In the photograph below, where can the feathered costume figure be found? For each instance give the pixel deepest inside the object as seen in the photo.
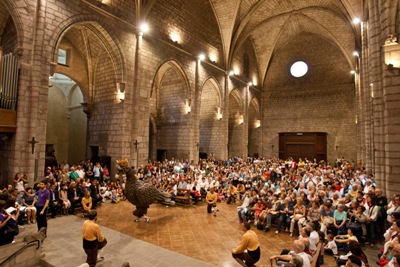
(139, 193)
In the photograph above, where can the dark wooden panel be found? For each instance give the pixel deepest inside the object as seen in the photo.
(8, 121)
(303, 145)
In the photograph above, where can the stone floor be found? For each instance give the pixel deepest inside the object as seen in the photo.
(175, 236)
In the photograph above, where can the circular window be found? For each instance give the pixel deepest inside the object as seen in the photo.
(299, 69)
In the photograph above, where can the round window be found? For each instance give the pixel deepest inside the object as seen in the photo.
(299, 69)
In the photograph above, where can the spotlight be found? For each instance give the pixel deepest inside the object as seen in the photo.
(144, 27)
(356, 20)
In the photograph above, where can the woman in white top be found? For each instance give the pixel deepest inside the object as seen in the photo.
(19, 181)
(394, 206)
(371, 211)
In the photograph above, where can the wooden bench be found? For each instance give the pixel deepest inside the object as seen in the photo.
(183, 195)
(315, 258)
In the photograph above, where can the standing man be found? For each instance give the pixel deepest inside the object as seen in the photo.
(97, 172)
(211, 199)
(42, 203)
(250, 243)
(93, 239)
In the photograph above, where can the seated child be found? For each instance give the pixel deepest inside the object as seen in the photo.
(115, 199)
(331, 247)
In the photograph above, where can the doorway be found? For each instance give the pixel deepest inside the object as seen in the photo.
(303, 145)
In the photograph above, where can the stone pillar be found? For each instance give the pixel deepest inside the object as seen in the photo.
(195, 116)
(87, 109)
(225, 117)
(246, 123)
(136, 142)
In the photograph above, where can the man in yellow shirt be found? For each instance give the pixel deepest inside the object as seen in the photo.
(93, 239)
(211, 199)
(250, 243)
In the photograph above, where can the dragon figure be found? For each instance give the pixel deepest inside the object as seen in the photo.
(139, 193)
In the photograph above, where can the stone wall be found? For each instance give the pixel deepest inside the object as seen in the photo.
(106, 48)
(321, 101)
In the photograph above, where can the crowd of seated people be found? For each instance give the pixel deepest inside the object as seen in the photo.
(306, 197)
(340, 201)
(80, 187)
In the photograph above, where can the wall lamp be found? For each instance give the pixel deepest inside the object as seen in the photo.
(391, 51)
(121, 91)
(188, 109)
(356, 20)
(257, 123)
(219, 114)
(202, 57)
(144, 27)
(240, 120)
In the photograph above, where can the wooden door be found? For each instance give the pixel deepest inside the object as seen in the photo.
(303, 145)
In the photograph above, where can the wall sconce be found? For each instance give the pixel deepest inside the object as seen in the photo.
(219, 114)
(121, 91)
(391, 51)
(241, 120)
(257, 123)
(144, 27)
(356, 119)
(336, 147)
(188, 109)
(175, 37)
(213, 58)
(52, 69)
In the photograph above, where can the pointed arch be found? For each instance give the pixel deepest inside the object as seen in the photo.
(237, 96)
(254, 102)
(19, 12)
(210, 126)
(162, 69)
(168, 99)
(216, 86)
(103, 33)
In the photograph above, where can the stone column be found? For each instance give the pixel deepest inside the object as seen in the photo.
(194, 119)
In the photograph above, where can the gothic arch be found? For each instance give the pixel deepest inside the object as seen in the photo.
(216, 86)
(255, 104)
(164, 67)
(20, 17)
(237, 96)
(102, 31)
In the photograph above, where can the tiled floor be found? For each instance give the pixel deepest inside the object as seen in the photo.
(186, 230)
(193, 232)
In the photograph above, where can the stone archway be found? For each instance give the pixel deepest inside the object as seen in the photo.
(66, 121)
(169, 102)
(210, 123)
(236, 141)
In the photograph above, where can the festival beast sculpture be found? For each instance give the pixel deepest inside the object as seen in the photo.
(139, 193)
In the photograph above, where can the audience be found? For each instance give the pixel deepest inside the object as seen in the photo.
(309, 195)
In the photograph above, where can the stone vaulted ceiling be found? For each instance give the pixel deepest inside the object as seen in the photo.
(270, 24)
